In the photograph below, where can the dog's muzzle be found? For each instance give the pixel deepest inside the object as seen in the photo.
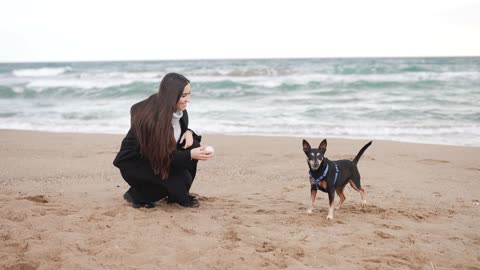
(314, 164)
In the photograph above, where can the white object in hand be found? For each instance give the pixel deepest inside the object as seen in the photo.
(209, 149)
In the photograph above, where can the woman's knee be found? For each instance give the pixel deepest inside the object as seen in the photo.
(184, 176)
(178, 180)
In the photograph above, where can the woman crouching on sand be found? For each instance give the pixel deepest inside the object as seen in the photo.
(159, 155)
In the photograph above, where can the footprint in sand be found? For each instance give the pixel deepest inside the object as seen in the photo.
(393, 227)
(295, 252)
(231, 239)
(35, 198)
(189, 231)
(262, 211)
(15, 247)
(370, 209)
(474, 237)
(409, 213)
(106, 152)
(280, 252)
(395, 260)
(22, 265)
(384, 235)
(15, 216)
(112, 213)
(264, 247)
(231, 235)
(432, 161)
(5, 235)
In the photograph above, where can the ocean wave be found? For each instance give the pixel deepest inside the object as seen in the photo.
(41, 72)
(7, 92)
(244, 72)
(76, 83)
(117, 75)
(81, 90)
(376, 80)
(89, 80)
(414, 69)
(421, 100)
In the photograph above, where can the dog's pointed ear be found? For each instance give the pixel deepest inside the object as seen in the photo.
(306, 146)
(323, 146)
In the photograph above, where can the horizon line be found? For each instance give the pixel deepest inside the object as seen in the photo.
(233, 59)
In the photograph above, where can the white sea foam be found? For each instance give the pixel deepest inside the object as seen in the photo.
(303, 79)
(40, 85)
(143, 76)
(18, 89)
(41, 72)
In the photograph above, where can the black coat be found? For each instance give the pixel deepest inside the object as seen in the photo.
(129, 153)
(138, 173)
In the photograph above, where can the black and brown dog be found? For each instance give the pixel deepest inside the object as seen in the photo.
(332, 176)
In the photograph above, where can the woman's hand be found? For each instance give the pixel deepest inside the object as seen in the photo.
(188, 138)
(199, 153)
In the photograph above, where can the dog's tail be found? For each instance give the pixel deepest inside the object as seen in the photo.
(355, 160)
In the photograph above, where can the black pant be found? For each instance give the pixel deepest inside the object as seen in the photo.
(145, 186)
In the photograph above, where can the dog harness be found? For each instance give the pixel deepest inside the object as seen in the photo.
(318, 180)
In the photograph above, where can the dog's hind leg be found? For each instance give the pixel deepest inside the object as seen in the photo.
(331, 199)
(313, 196)
(359, 189)
(342, 197)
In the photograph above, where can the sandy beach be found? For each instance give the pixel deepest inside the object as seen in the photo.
(61, 207)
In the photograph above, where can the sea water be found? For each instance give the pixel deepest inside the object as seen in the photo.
(425, 100)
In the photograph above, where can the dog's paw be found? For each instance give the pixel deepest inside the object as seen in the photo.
(309, 211)
(330, 217)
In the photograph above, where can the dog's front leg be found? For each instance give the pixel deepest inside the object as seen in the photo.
(331, 199)
(313, 196)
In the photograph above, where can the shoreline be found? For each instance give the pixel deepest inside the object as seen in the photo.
(62, 208)
(251, 135)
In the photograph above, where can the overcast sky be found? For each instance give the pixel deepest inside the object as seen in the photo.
(51, 30)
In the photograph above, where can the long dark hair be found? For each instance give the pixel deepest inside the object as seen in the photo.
(152, 123)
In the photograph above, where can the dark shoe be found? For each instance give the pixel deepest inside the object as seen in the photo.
(135, 204)
(192, 198)
(148, 205)
(190, 203)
